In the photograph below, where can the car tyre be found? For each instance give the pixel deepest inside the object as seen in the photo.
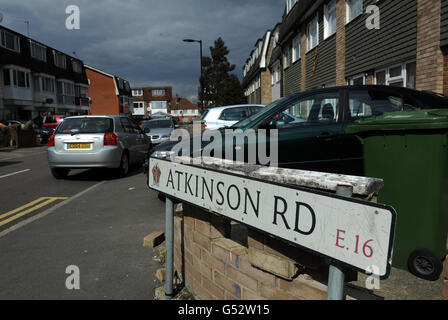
(60, 173)
(123, 170)
(424, 264)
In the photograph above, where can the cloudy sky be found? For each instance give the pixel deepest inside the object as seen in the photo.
(141, 40)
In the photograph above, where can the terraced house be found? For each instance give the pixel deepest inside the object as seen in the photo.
(347, 42)
(37, 79)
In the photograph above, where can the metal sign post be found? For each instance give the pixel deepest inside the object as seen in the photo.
(169, 238)
(336, 276)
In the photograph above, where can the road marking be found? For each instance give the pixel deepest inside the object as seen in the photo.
(14, 173)
(34, 207)
(46, 212)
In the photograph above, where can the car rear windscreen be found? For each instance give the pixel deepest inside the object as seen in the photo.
(86, 125)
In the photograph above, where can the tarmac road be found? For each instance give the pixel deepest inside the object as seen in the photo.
(93, 221)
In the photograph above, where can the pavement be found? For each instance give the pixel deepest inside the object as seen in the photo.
(93, 221)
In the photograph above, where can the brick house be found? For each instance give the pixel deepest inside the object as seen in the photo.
(151, 100)
(183, 110)
(109, 94)
(256, 74)
(334, 42)
(36, 79)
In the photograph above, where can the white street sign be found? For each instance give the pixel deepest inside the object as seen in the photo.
(356, 233)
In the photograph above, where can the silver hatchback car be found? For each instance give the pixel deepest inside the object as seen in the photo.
(96, 142)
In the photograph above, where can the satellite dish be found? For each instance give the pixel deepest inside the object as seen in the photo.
(1, 17)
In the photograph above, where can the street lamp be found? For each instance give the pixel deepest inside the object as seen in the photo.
(201, 81)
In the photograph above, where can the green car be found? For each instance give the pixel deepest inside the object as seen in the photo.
(312, 125)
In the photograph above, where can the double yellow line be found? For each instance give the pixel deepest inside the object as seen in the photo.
(27, 208)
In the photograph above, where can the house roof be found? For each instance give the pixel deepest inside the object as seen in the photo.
(178, 103)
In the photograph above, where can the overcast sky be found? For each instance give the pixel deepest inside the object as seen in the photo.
(141, 40)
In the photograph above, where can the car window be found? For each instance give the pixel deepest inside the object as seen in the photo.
(234, 114)
(135, 127)
(153, 124)
(127, 125)
(317, 109)
(367, 103)
(49, 119)
(86, 125)
(204, 115)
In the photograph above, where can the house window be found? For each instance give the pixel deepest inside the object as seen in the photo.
(9, 41)
(354, 9)
(158, 92)
(81, 91)
(398, 76)
(290, 4)
(276, 35)
(296, 47)
(6, 77)
(330, 19)
(59, 60)
(137, 93)
(357, 80)
(287, 56)
(77, 67)
(160, 105)
(48, 85)
(38, 51)
(313, 33)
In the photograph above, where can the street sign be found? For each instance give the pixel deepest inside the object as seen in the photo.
(355, 233)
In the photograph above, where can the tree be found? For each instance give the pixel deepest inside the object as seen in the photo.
(220, 87)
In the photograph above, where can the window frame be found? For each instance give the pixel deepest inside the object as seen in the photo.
(296, 53)
(33, 45)
(330, 5)
(16, 41)
(309, 37)
(348, 4)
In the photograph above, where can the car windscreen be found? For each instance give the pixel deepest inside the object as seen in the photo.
(86, 125)
(265, 110)
(157, 124)
(204, 115)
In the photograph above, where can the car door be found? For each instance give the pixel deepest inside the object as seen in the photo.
(129, 139)
(363, 103)
(142, 141)
(309, 131)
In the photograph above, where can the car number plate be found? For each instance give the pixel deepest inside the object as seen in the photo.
(78, 146)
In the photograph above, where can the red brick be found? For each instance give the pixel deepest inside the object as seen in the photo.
(203, 241)
(250, 295)
(153, 239)
(304, 289)
(214, 289)
(202, 227)
(227, 284)
(271, 293)
(242, 278)
(205, 270)
(445, 290)
(227, 250)
(255, 239)
(191, 272)
(212, 261)
(262, 276)
(195, 250)
(229, 296)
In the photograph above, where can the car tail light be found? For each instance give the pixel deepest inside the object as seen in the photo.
(110, 139)
(51, 141)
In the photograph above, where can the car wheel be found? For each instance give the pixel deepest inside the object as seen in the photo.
(60, 173)
(424, 264)
(123, 170)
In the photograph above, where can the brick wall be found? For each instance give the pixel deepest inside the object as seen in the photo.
(266, 78)
(445, 71)
(216, 267)
(340, 42)
(429, 71)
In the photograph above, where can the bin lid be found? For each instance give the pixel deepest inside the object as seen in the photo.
(403, 120)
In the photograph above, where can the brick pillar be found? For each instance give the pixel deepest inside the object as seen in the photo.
(304, 48)
(266, 78)
(445, 71)
(340, 42)
(429, 74)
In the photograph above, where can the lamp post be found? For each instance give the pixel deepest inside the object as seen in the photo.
(201, 81)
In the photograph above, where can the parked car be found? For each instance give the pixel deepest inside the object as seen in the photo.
(159, 130)
(52, 121)
(220, 117)
(311, 124)
(96, 142)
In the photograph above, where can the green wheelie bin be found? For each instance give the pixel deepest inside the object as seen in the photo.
(409, 151)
